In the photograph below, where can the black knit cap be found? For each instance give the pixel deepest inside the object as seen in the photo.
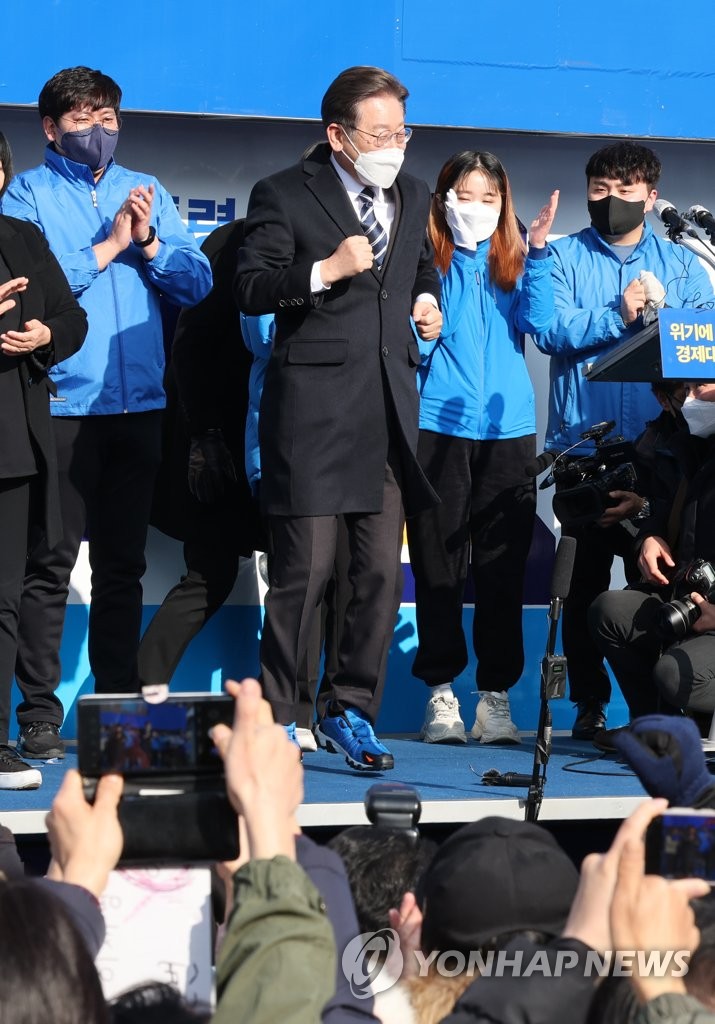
(492, 877)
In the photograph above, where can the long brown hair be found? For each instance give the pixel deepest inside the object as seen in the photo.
(507, 250)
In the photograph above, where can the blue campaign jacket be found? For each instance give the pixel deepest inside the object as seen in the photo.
(258, 334)
(120, 367)
(589, 280)
(474, 382)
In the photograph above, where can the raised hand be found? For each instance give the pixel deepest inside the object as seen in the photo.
(18, 284)
(140, 204)
(541, 224)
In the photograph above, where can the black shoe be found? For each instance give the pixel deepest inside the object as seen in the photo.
(605, 739)
(41, 740)
(14, 773)
(590, 718)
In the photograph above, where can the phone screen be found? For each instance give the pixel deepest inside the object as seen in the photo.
(132, 737)
(681, 844)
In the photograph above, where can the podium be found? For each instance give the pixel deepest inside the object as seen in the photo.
(635, 360)
(653, 353)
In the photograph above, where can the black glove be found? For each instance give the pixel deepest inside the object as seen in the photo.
(666, 754)
(210, 466)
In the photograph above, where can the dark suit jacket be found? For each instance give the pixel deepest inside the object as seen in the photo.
(341, 385)
(48, 298)
(206, 384)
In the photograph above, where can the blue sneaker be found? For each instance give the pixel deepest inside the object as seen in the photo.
(349, 732)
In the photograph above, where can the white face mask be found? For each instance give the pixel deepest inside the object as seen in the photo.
(379, 167)
(481, 219)
(700, 416)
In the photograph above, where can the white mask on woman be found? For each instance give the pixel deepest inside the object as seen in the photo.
(480, 219)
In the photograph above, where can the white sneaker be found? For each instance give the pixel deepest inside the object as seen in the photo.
(493, 723)
(443, 723)
(306, 740)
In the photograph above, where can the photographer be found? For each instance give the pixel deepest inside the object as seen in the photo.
(663, 657)
(606, 277)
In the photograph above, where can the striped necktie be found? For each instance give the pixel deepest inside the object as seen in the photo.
(376, 234)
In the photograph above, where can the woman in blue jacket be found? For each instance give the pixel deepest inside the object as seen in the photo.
(477, 433)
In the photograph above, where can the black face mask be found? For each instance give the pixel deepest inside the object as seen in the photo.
(613, 216)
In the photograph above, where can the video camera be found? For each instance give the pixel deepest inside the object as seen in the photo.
(583, 482)
(676, 617)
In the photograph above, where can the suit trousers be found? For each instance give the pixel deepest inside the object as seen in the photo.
(652, 679)
(107, 466)
(314, 690)
(301, 564)
(14, 520)
(486, 517)
(211, 554)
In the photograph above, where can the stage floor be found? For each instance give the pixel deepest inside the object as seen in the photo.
(581, 785)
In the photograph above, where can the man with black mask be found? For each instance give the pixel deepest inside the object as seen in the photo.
(607, 277)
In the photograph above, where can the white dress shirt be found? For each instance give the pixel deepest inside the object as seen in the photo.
(383, 205)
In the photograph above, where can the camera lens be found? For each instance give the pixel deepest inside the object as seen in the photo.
(675, 619)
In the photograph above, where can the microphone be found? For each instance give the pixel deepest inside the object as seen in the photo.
(493, 777)
(563, 569)
(702, 217)
(560, 584)
(676, 224)
(540, 463)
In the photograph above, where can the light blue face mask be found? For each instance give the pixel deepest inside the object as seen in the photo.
(93, 146)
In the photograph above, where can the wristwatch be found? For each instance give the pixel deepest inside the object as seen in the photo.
(644, 512)
(148, 240)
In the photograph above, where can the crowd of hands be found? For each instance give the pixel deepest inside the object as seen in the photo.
(617, 905)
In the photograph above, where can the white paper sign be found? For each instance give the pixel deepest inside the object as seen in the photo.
(158, 929)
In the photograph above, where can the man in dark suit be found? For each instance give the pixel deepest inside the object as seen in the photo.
(336, 247)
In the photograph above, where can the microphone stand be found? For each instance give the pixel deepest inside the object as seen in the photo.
(694, 243)
(552, 687)
(699, 247)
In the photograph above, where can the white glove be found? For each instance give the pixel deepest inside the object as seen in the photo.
(461, 233)
(654, 290)
(654, 296)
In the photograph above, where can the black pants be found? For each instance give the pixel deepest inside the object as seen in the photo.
(488, 503)
(314, 690)
(302, 559)
(107, 466)
(14, 524)
(682, 677)
(212, 558)
(596, 548)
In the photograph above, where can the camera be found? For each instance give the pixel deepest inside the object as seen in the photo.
(681, 844)
(677, 616)
(583, 482)
(174, 807)
(394, 805)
